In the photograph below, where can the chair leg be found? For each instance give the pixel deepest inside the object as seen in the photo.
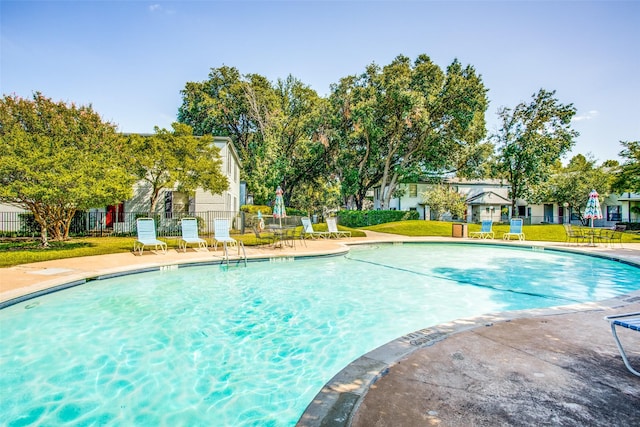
(622, 352)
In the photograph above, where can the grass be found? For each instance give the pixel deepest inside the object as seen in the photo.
(539, 233)
(16, 253)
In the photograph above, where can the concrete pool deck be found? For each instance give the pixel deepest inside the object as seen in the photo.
(557, 366)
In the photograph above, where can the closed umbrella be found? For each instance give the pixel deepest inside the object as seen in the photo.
(279, 210)
(593, 210)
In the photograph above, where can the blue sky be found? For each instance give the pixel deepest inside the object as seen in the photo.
(130, 59)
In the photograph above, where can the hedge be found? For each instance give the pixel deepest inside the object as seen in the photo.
(355, 219)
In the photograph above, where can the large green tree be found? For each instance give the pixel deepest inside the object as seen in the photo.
(406, 119)
(56, 158)
(628, 179)
(176, 160)
(442, 199)
(572, 184)
(237, 106)
(273, 126)
(533, 136)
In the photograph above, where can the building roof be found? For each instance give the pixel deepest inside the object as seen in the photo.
(487, 198)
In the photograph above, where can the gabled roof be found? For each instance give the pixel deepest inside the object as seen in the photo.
(487, 198)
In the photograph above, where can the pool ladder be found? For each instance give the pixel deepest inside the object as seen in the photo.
(226, 253)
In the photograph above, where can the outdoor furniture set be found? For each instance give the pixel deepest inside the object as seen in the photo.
(592, 236)
(486, 231)
(146, 230)
(276, 235)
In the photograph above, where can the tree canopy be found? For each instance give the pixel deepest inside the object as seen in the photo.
(404, 120)
(532, 138)
(275, 127)
(628, 178)
(56, 158)
(442, 199)
(176, 160)
(573, 183)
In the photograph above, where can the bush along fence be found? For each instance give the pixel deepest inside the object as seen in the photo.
(355, 219)
(96, 223)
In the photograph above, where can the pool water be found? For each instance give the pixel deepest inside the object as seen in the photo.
(252, 346)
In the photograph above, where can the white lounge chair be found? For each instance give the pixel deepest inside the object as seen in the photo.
(221, 234)
(485, 231)
(332, 225)
(515, 230)
(147, 236)
(628, 320)
(190, 234)
(307, 230)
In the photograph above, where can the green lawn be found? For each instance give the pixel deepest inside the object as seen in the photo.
(545, 232)
(15, 253)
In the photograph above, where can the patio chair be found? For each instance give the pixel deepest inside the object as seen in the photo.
(262, 239)
(515, 230)
(307, 230)
(485, 231)
(610, 237)
(628, 320)
(574, 234)
(332, 225)
(146, 228)
(221, 234)
(190, 234)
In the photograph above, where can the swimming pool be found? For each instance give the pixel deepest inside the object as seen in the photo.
(252, 346)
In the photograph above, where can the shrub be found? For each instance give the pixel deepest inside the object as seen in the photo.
(253, 209)
(631, 226)
(296, 212)
(355, 219)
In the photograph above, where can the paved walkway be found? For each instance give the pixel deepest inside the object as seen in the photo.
(555, 366)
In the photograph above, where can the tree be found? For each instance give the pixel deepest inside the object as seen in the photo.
(628, 179)
(442, 199)
(532, 138)
(56, 158)
(176, 160)
(273, 127)
(229, 104)
(573, 183)
(405, 118)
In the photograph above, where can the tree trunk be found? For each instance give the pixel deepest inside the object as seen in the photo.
(153, 201)
(393, 183)
(69, 214)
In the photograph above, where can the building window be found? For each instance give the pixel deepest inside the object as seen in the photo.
(175, 202)
(614, 213)
(413, 190)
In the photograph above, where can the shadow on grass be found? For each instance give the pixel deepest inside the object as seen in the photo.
(35, 246)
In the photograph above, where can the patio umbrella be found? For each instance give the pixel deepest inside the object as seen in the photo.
(278, 206)
(593, 207)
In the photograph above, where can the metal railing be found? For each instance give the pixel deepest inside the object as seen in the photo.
(95, 223)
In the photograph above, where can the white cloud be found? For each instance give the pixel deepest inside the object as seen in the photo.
(588, 116)
(158, 8)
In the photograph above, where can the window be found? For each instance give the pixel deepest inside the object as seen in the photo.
(175, 202)
(168, 204)
(614, 213)
(413, 190)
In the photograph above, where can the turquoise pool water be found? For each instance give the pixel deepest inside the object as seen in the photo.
(252, 346)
